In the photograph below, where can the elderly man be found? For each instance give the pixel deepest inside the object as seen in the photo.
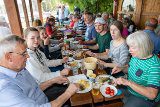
(150, 26)
(17, 87)
(103, 37)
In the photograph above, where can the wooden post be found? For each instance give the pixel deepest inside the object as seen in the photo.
(13, 16)
(139, 6)
(25, 13)
(40, 10)
(115, 8)
(31, 9)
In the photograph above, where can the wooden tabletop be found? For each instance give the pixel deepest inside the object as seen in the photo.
(81, 99)
(88, 98)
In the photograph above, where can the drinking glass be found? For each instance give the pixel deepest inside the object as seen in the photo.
(95, 88)
(75, 70)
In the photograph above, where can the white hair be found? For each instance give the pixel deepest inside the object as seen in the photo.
(9, 43)
(105, 14)
(142, 41)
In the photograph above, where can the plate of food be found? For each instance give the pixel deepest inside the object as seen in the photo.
(85, 85)
(108, 90)
(103, 79)
(73, 63)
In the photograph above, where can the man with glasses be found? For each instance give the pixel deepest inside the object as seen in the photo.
(17, 87)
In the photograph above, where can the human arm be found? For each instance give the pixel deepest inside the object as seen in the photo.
(103, 55)
(148, 92)
(111, 65)
(65, 96)
(117, 69)
(39, 72)
(13, 96)
(94, 47)
(48, 83)
(54, 63)
(89, 42)
(54, 48)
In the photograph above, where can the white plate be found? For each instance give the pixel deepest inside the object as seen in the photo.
(74, 78)
(103, 90)
(85, 49)
(75, 42)
(98, 79)
(87, 89)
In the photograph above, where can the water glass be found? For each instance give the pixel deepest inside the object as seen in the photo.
(75, 70)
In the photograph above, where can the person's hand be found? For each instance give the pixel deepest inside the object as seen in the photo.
(65, 71)
(85, 47)
(60, 79)
(61, 45)
(80, 42)
(122, 81)
(54, 28)
(116, 69)
(61, 40)
(89, 53)
(100, 62)
(72, 89)
(46, 41)
(65, 59)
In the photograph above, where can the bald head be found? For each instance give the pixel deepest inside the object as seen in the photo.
(151, 23)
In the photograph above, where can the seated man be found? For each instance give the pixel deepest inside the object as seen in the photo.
(17, 87)
(90, 34)
(150, 26)
(103, 37)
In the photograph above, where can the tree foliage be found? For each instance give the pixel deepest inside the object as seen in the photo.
(94, 6)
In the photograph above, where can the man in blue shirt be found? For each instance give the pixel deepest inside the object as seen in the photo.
(17, 87)
(90, 34)
(150, 26)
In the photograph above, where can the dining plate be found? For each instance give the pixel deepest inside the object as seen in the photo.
(106, 90)
(85, 85)
(85, 49)
(103, 79)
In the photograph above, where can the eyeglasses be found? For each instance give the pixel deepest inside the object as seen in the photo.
(24, 54)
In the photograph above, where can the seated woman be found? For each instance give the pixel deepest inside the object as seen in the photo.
(53, 46)
(37, 63)
(143, 72)
(118, 51)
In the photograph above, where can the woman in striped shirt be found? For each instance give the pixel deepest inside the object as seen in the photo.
(143, 81)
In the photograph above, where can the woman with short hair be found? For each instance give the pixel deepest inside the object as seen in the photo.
(143, 72)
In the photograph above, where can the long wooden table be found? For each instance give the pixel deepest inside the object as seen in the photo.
(92, 100)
